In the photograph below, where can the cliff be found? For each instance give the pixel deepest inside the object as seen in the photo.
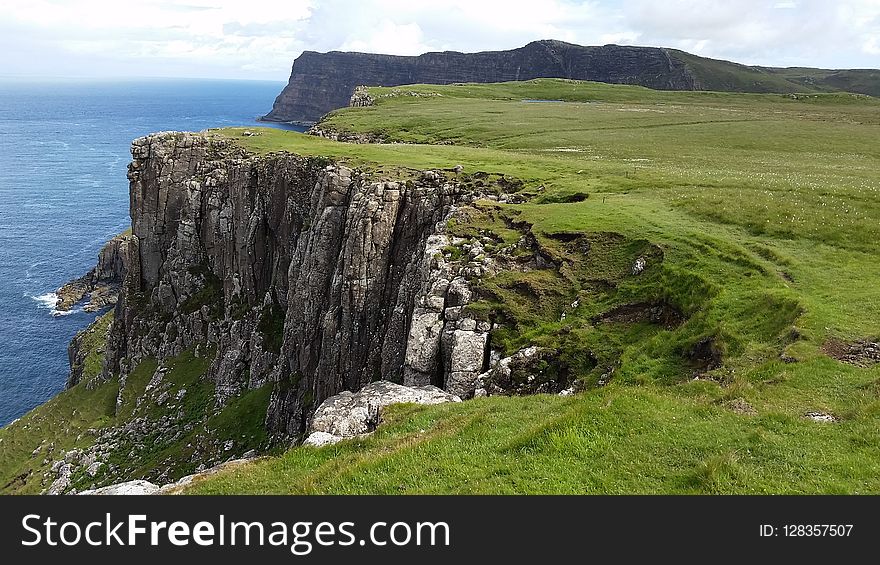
(292, 271)
(321, 82)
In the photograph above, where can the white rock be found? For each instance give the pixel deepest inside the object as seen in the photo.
(468, 350)
(348, 415)
(639, 266)
(128, 488)
(459, 293)
(424, 341)
(63, 481)
(821, 417)
(320, 439)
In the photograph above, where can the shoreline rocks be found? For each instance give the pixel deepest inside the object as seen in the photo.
(102, 284)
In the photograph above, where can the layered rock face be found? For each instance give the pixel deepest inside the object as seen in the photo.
(287, 270)
(321, 82)
(101, 284)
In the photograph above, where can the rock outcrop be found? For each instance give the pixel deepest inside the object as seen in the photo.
(128, 488)
(348, 415)
(445, 345)
(325, 291)
(101, 284)
(287, 270)
(320, 82)
(361, 98)
(531, 370)
(141, 487)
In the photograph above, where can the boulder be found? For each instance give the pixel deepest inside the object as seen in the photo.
(320, 439)
(351, 414)
(128, 488)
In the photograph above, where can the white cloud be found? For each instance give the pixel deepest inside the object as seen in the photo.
(621, 37)
(388, 37)
(260, 38)
(150, 37)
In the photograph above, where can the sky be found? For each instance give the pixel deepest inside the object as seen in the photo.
(259, 39)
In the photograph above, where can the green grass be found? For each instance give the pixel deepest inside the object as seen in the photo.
(765, 210)
(28, 446)
(612, 440)
(93, 344)
(75, 417)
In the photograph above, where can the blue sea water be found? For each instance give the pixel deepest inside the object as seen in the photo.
(64, 149)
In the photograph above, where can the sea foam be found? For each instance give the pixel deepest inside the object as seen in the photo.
(49, 300)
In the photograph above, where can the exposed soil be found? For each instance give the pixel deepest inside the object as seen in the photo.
(861, 353)
(741, 406)
(704, 355)
(566, 236)
(659, 313)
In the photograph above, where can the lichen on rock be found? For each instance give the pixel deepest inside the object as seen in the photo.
(348, 415)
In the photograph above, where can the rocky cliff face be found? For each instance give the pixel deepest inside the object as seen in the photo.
(101, 284)
(320, 82)
(288, 270)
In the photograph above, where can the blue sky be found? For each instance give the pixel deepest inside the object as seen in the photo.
(260, 38)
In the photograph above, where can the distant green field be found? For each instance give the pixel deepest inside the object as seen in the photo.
(767, 212)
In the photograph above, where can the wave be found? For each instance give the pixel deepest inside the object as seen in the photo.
(58, 313)
(49, 300)
(46, 301)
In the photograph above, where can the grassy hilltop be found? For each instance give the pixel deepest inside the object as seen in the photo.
(759, 218)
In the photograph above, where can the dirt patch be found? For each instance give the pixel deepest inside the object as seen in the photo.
(861, 353)
(704, 355)
(741, 406)
(18, 481)
(565, 236)
(510, 184)
(526, 289)
(659, 313)
(570, 198)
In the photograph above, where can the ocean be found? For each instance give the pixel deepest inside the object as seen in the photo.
(64, 149)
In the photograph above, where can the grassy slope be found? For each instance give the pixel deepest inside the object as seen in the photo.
(726, 76)
(865, 81)
(713, 74)
(74, 418)
(767, 210)
(28, 444)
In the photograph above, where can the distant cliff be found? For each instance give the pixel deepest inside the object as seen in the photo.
(321, 82)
